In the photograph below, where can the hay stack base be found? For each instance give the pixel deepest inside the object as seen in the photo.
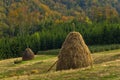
(28, 54)
(74, 53)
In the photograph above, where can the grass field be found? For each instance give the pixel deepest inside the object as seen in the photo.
(93, 49)
(106, 67)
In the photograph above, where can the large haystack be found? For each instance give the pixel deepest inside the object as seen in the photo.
(28, 54)
(74, 53)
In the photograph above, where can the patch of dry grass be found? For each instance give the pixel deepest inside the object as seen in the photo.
(106, 67)
(106, 71)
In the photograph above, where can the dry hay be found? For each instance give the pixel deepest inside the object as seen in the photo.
(74, 53)
(28, 54)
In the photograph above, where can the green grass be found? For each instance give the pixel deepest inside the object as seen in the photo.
(106, 67)
(100, 48)
(49, 52)
(25, 67)
(37, 58)
(93, 49)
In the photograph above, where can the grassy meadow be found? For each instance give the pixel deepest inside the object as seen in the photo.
(106, 67)
(43, 25)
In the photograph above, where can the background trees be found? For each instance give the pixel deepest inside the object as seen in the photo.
(44, 24)
(53, 36)
(19, 17)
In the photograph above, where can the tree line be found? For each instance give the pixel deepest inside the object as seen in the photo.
(52, 35)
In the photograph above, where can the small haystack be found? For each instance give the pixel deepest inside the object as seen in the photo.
(28, 54)
(74, 53)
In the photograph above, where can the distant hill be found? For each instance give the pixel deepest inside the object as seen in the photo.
(95, 10)
(44, 24)
(24, 16)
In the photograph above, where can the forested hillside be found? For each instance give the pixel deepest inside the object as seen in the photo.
(44, 24)
(21, 16)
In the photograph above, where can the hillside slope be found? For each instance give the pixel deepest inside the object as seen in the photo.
(93, 9)
(106, 67)
(44, 24)
(21, 16)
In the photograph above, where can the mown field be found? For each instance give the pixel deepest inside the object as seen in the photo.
(106, 67)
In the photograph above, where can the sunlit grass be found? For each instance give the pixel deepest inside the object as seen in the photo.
(93, 49)
(106, 67)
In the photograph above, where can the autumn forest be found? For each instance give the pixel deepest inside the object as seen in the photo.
(44, 24)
